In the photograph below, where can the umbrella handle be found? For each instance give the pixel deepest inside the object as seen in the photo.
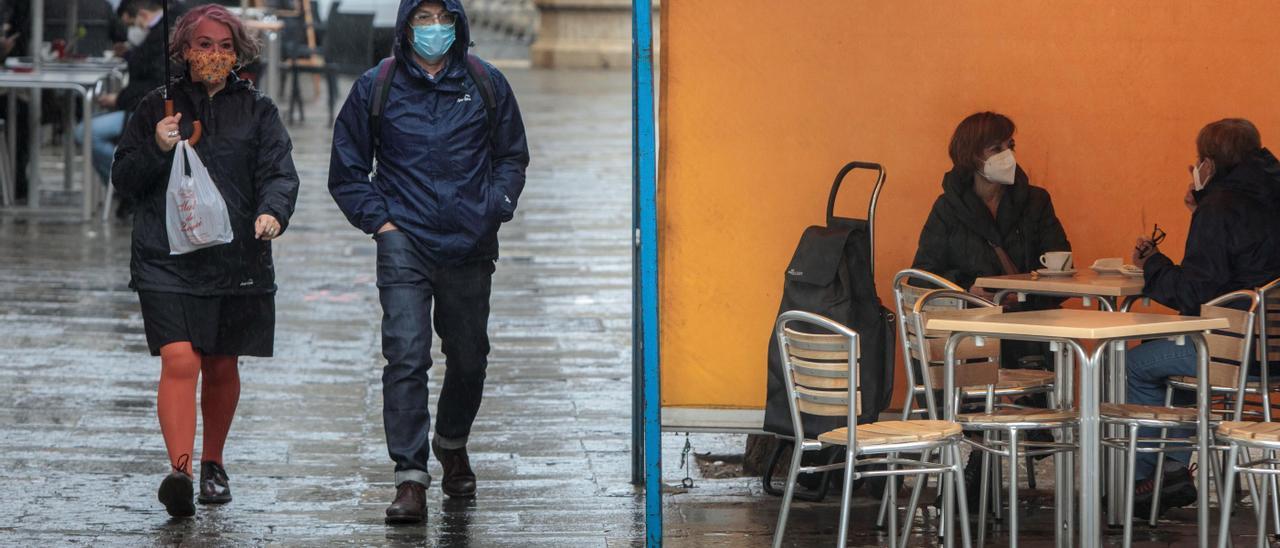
(196, 129)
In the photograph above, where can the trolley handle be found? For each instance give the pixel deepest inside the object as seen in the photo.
(871, 207)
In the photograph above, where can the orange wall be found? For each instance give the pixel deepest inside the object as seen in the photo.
(763, 101)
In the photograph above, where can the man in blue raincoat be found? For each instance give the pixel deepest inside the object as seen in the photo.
(429, 157)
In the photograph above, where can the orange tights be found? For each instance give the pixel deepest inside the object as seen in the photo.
(180, 368)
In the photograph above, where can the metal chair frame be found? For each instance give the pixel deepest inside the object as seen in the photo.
(1131, 443)
(924, 389)
(904, 308)
(1267, 466)
(949, 468)
(1009, 448)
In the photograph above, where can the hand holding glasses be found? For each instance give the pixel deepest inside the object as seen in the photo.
(1147, 246)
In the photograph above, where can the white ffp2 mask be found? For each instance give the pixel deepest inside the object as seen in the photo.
(1196, 182)
(1000, 167)
(136, 36)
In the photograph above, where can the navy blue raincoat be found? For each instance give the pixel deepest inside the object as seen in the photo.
(440, 176)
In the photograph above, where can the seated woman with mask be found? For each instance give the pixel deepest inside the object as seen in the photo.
(990, 221)
(1233, 243)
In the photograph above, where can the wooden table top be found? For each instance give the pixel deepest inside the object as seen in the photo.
(1076, 324)
(1083, 282)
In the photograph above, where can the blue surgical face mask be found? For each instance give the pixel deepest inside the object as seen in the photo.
(432, 41)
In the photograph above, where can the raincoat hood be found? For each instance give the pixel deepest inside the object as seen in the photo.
(446, 173)
(404, 42)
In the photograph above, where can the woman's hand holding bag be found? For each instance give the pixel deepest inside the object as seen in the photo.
(195, 214)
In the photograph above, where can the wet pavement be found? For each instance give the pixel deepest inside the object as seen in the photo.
(80, 450)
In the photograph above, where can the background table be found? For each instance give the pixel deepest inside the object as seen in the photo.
(1086, 284)
(85, 83)
(1070, 328)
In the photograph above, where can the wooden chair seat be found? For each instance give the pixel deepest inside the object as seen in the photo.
(1008, 415)
(892, 432)
(1250, 431)
(1148, 412)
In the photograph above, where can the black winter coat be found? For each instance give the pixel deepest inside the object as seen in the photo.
(146, 69)
(956, 241)
(1233, 242)
(249, 155)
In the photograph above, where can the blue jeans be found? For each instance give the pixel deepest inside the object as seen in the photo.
(408, 283)
(107, 129)
(1148, 366)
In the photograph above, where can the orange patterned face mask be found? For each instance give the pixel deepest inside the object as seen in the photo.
(210, 67)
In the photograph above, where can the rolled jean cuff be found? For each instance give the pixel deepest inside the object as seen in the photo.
(451, 443)
(413, 475)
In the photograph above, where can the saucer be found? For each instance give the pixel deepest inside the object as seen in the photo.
(1047, 272)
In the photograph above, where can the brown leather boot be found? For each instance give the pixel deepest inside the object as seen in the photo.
(459, 481)
(410, 505)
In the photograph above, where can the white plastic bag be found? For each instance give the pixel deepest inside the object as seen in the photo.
(195, 215)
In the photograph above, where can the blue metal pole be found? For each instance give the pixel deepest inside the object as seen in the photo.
(644, 171)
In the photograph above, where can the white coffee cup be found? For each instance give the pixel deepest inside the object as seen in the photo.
(1056, 260)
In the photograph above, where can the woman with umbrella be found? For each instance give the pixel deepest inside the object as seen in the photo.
(204, 309)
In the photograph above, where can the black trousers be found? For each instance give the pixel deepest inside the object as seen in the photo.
(408, 285)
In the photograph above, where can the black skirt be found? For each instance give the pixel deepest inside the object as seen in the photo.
(224, 325)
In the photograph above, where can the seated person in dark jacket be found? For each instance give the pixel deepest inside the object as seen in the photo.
(989, 220)
(1233, 243)
(146, 60)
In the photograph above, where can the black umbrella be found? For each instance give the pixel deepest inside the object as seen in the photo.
(168, 102)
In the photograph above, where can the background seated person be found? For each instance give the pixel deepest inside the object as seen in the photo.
(1233, 243)
(145, 58)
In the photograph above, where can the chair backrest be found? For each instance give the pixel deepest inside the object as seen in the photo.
(1231, 349)
(1268, 329)
(908, 287)
(820, 365)
(348, 42)
(977, 364)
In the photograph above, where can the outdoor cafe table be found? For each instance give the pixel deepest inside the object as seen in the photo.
(1070, 329)
(85, 83)
(1085, 283)
(1088, 285)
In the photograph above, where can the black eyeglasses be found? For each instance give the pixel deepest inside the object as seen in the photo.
(1157, 236)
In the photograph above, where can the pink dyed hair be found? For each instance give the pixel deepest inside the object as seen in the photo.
(246, 46)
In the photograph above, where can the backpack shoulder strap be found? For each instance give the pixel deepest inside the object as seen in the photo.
(381, 89)
(480, 75)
